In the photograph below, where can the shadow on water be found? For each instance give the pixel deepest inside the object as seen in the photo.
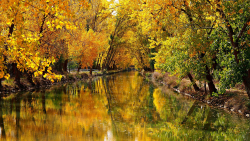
(117, 107)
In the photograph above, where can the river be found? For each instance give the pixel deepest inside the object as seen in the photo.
(116, 107)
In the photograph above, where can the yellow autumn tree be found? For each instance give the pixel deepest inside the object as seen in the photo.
(24, 26)
(87, 47)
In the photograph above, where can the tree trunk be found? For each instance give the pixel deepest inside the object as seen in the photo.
(9, 69)
(246, 82)
(1, 86)
(209, 78)
(196, 88)
(90, 71)
(78, 70)
(205, 87)
(98, 67)
(29, 78)
(17, 74)
(65, 65)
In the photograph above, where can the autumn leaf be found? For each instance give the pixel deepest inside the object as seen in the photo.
(241, 11)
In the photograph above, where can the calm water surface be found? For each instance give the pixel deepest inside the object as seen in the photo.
(117, 107)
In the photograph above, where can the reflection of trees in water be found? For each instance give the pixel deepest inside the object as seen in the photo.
(191, 110)
(130, 103)
(109, 99)
(124, 105)
(60, 111)
(169, 106)
(3, 135)
(150, 103)
(29, 99)
(198, 122)
(90, 105)
(205, 118)
(18, 106)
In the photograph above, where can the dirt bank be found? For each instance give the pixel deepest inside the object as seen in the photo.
(40, 83)
(234, 100)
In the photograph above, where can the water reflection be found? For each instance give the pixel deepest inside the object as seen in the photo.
(2, 133)
(116, 107)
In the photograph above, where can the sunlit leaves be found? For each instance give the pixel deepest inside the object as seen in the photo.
(87, 47)
(31, 33)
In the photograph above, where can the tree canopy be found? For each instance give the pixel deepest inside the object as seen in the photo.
(204, 39)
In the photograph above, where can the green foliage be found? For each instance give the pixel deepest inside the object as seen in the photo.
(72, 65)
(216, 44)
(148, 74)
(248, 104)
(58, 64)
(230, 72)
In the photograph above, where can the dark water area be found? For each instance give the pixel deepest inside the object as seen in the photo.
(116, 107)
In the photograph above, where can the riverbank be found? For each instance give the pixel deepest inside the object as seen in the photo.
(234, 100)
(9, 86)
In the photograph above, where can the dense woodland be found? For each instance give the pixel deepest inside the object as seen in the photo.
(205, 40)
